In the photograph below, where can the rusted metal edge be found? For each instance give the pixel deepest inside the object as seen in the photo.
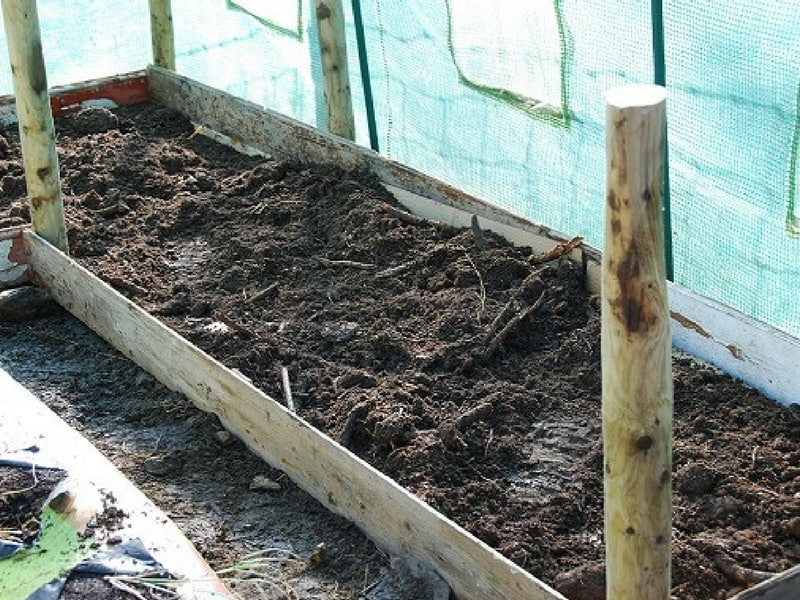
(117, 90)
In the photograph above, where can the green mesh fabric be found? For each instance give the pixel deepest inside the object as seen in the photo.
(505, 99)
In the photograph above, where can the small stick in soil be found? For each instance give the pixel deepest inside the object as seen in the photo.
(235, 326)
(482, 288)
(287, 389)
(404, 216)
(392, 271)
(558, 251)
(120, 208)
(267, 291)
(502, 335)
(480, 240)
(476, 413)
(126, 286)
(509, 309)
(450, 430)
(346, 263)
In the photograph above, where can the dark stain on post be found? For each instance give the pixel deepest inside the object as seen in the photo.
(646, 196)
(38, 72)
(612, 200)
(631, 313)
(629, 268)
(644, 443)
(661, 539)
(664, 479)
(37, 202)
(628, 302)
(43, 173)
(323, 12)
(631, 306)
(630, 530)
(616, 226)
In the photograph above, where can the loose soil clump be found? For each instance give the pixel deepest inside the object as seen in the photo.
(466, 369)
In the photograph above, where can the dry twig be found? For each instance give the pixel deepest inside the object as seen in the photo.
(502, 335)
(346, 263)
(739, 574)
(558, 251)
(287, 390)
(481, 290)
(404, 216)
(235, 326)
(267, 291)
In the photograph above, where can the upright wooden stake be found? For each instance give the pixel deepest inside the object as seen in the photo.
(162, 34)
(36, 130)
(333, 50)
(635, 341)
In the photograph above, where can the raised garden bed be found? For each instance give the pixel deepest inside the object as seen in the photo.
(464, 368)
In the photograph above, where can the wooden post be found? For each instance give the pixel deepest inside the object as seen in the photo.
(162, 34)
(333, 50)
(636, 348)
(36, 130)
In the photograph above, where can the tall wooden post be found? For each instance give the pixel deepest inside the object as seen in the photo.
(36, 130)
(636, 348)
(333, 50)
(161, 34)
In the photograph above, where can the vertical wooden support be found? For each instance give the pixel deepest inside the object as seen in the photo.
(635, 340)
(333, 50)
(36, 130)
(162, 34)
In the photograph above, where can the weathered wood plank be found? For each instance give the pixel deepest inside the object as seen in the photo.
(395, 519)
(118, 90)
(751, 350)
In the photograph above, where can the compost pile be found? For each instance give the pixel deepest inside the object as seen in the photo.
(464, 368)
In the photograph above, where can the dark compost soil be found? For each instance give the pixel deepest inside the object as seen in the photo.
(401, 341)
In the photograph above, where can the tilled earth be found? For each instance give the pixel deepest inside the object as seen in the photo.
(464, 368)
